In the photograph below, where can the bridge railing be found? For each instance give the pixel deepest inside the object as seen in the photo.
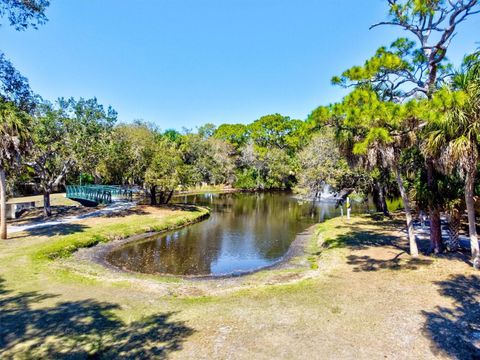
(101, 194)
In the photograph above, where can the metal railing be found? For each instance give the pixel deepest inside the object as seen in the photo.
(100, 194)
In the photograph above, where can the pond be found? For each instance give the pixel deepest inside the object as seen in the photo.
(245, 232)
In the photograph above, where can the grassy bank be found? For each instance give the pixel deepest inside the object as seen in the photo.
(133, 224)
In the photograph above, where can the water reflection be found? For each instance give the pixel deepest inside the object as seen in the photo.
(244, 232)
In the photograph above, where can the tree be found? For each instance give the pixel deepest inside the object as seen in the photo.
(219, 161)
(210, 157)
(206, 131)
(14, 142)
(264, 168)
(14, 87)
(321, 163)
(362, 175)
(379, 131)
(412, 67)
(276, 131)
(15, 95)
(22, 14)
(118, 163)
(235, 134)
(172, 135)
(456, 137)
(67, 137)
(129, 153)
(277, 169)
(164, 174)
(415, 67)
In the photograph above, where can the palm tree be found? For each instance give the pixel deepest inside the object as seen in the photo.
(387, 153)
(14, 141)
(456, 137)
(378, 131)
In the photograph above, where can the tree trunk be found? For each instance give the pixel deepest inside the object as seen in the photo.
(408, 214)
(162, 197)
(3, 205)
(454, 221)
(436, 243)
(376, 198)
(47, 208)
(169, 197)
(472, 227)
(384, 201)
(153, 195)
(379, 198)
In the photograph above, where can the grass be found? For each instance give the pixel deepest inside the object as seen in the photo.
(354, 300)
(194, 190)
(57, 199)
(64, 246)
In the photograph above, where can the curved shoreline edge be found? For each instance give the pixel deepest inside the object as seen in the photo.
(66, 246)
(98, 254)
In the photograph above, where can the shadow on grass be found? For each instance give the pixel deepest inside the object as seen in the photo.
(359, 239)
(140, 211)
(50, 230)
(367, 263)
(35, 215)
(54, 230)
(182, 207)
(455, 331)
(81, 329)
(375, 232)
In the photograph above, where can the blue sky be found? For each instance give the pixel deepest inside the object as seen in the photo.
(183, 63)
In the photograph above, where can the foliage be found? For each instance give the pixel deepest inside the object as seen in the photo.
(14, 135)
(69, 136)
(276, 131)
(206, 131)
(128, 154)
(14, 87)
(20, 14)
(210, 157)
(14, 142)
(321, 164)
(454, 136)
(265, 168)
(418, 65)
(24, 14)
(235, 134)
(172, 135)
(163, 173)
(246, 179)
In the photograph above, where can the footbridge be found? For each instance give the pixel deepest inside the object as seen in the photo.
(93, 195)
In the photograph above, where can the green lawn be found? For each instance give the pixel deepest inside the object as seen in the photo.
(58, 199)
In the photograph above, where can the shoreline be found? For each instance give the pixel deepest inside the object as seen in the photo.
(98, 255)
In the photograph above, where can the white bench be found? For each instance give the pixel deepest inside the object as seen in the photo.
(14, 210)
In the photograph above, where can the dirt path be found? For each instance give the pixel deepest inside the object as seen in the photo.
(366, 300)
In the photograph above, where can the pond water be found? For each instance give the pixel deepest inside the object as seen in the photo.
(245, 232)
